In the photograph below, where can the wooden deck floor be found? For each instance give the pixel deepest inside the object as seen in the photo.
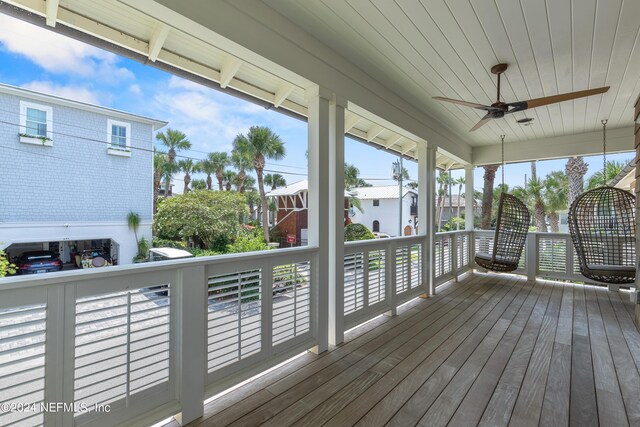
(490, 350)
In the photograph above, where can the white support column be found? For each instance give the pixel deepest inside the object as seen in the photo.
(336, 219)
(531, 256)
(469, 212)
(191, 306)
(319, 200)
(423, 213)
(430, 217)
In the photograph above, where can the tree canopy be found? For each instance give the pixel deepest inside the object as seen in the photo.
(208, 218)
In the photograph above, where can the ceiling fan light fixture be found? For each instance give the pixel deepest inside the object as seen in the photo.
(527, 121)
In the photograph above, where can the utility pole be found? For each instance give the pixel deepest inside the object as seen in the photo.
(397, 174)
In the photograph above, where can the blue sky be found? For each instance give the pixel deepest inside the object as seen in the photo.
(211, 119)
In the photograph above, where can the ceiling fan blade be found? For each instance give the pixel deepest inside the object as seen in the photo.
(465, 103)
(481, 123)
(538, 102)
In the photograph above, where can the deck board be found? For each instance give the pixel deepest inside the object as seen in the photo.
(491, 349)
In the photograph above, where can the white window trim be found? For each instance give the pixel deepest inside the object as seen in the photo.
(117, 150)
(23, 124)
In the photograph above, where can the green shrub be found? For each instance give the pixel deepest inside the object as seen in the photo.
(203, 252)
(5, 266)
(250, 241)
(357, 232)
(166, 243)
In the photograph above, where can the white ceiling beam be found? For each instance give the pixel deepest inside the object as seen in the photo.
(373, 132)
(229, 69)
(619, 140)
(158, 37)
(411, 146)
(350, 121)
(282, 93)
(393, 140)
(52, 12)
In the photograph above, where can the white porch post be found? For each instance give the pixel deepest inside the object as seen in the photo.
(469, 212)
(320, 196)
(423, 213)
(191, 303)
(336, 220)
(427, 188)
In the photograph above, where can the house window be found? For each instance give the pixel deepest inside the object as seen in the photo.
(376, 202)
(36, 124)
(119, 138)
(376, 226)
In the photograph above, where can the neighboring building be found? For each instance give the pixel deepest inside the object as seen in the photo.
(451, 205)
(292, 215)
(626, 178)
(70, 172)
(381, 209)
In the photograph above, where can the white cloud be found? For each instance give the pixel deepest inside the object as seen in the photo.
(59, 54)
(135, 89)
(77, 93)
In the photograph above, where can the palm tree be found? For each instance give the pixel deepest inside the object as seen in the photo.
(253, 200)
(535, 188)
(159, 165)
(168, 171)
(460, 181)
(556, 195)
(230, 178)
(261, 143)
(219, 161)
(174, 140)
(188, 167)
(207, 167)
(133, 221)
(487, 195)
(249, 183)
(597, 179)
(443, 186)
(575, 169)
(275, 180)
(241, 161)
(199, 184)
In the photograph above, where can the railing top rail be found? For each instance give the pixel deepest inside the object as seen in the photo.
(385, 241)
(66, 277)
(453, 232)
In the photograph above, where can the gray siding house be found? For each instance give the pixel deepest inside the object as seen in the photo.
(69, 174)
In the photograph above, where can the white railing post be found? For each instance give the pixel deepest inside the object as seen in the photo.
(319, 214)
(531, 256)
(454, 255)
(390, 278)
(190, 301)
(469, 211)
(56, 348)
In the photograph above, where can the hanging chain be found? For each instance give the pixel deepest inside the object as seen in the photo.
(604, 151)
(502, 138)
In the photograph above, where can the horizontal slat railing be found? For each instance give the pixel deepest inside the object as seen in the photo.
(111, 341)
(381, 274)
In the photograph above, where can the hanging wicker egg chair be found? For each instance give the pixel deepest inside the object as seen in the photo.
(512, 226)
(602, 226)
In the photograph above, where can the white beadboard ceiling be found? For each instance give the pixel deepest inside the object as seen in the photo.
(425, 48)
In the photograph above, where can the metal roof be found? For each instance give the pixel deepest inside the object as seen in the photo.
(380, 192)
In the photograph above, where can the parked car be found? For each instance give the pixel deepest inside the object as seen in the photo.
(164, 254)
(35, 262)
(380, 235)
